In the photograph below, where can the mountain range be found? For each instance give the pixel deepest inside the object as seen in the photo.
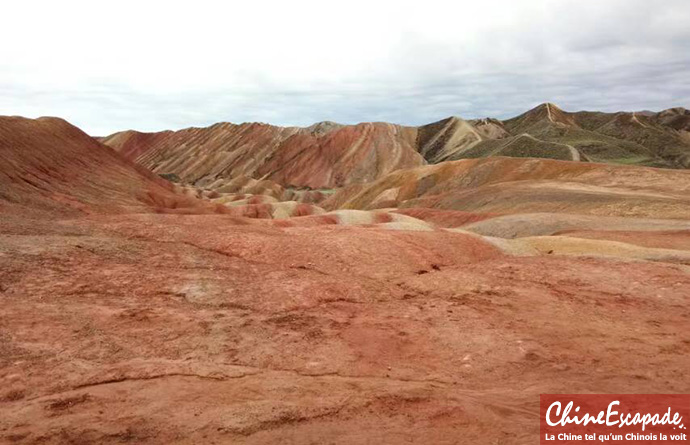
(331, 155)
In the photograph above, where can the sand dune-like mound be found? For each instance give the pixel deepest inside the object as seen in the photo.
(665, 239)
(378, 219)
(649, 245)
(535, 224)
(273, 210)
(565, 245)
(244, 185)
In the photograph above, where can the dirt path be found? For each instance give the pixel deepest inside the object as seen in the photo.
(548, 113)
(637, 121)
(573, 151)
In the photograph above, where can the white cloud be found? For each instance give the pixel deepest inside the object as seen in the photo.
(152, 65)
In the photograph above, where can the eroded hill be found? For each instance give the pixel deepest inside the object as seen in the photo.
(49, 167)
(329, 155)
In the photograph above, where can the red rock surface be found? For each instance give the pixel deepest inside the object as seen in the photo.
(193, 329)
(119, 324)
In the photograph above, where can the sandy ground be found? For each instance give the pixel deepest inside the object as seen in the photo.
(197, 329)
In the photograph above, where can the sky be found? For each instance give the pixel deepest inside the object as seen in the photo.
(152, 65)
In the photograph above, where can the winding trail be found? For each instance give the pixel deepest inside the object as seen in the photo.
(575, 154)
(548, 112)
(637, 121)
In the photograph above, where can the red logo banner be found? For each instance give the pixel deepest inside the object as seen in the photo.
(641, 419)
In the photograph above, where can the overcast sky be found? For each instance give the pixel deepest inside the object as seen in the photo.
(153, 65)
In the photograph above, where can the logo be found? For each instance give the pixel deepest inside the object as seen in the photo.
(614, 418)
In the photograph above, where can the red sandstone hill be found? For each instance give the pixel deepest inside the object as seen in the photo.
(49, 166)
(325, 155)
(319, 156)
(328, 155)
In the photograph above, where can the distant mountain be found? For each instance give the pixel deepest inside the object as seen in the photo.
(329, 155)
(323, 155)
(676, 118)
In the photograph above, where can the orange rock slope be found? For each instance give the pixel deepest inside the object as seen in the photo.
(51, 167)
(514, 185)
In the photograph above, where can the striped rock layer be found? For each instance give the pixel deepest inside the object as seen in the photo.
(325, 155)
(329, 155)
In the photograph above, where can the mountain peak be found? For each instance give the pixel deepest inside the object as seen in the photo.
(324, 127)
(547, 107)
(546, 112)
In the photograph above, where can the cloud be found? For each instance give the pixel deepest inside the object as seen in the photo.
(155, 65)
